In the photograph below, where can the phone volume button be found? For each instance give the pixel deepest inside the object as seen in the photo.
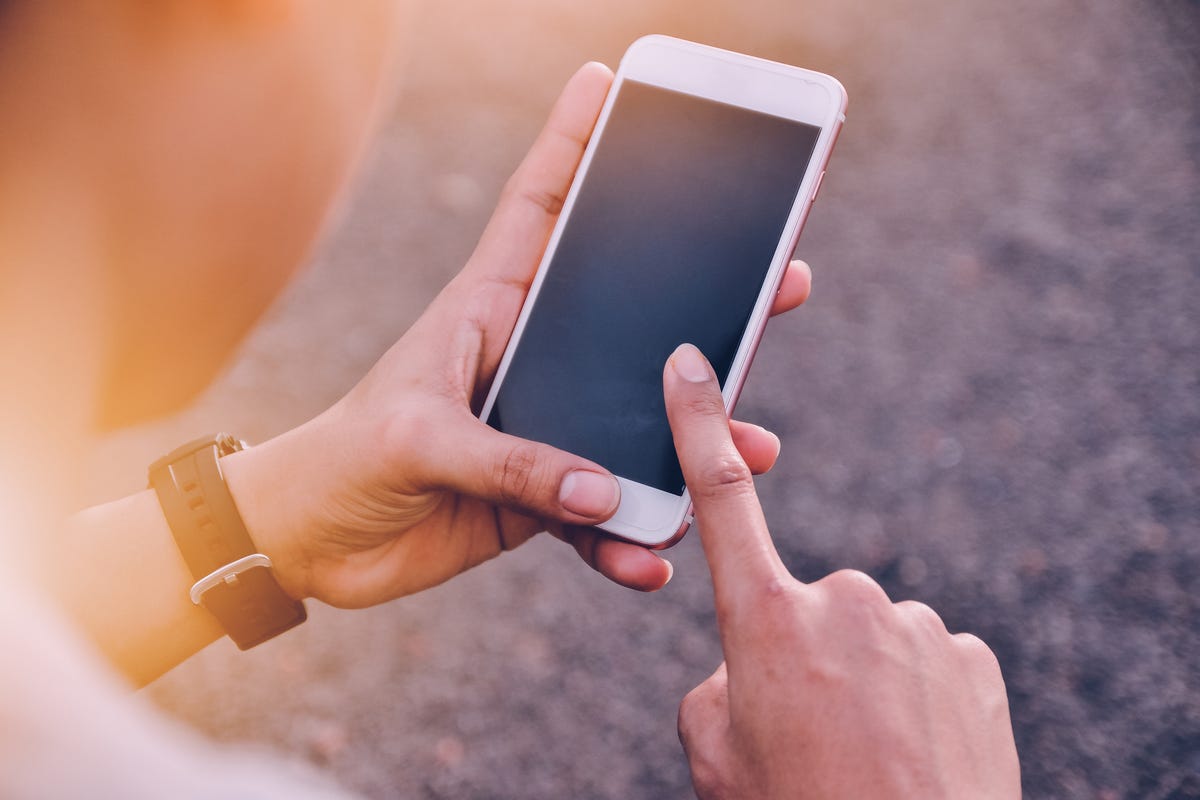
(817, 188)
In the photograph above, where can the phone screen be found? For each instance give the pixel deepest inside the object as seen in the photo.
(670, 239)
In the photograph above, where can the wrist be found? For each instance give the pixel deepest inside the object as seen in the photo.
(262, 481)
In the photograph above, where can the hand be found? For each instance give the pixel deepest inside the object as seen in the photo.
(399, 486)
(828, 690)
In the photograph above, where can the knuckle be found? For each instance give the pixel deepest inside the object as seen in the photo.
(704, 404)
(701, 707)
(722, 475)
(776, 597)
(689, 709)
(778, 610)
(550, 202)
(922, 617)
(516, 474)
(707, 780)
(520, 189)
(977, 652)
(704, 734)
(854, 587)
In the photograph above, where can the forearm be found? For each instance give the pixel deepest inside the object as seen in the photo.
(119, 573)
(121, 578)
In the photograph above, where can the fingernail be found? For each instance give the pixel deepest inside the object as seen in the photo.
(689, 364)
(589, 494)
(670, 571)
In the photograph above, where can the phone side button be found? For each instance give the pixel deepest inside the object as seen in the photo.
(817, 188)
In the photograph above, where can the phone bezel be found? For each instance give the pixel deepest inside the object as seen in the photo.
(647, 515)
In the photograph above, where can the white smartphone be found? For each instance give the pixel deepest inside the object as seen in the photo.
(681, 220)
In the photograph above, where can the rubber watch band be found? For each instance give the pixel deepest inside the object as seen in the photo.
(233, 580)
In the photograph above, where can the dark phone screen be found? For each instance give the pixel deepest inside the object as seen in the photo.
(669, 241)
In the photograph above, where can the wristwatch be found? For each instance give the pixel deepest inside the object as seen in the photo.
(233, 580)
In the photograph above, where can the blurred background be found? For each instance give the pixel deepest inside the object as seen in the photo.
(990, 404)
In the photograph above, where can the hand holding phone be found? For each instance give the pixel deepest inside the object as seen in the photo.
(400, 486)
(827, 690)
(678, 227)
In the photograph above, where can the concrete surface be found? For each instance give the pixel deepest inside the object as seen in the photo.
(990, 404)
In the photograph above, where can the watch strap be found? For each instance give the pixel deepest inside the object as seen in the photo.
(233, 581)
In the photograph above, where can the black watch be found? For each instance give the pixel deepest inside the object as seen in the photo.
(233, 580)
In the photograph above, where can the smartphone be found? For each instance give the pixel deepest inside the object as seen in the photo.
(680, 222)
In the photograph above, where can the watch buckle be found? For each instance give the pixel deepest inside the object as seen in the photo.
(227, 575)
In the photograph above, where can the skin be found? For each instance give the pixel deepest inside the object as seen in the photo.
(827, 690)
(406, 508)
(137, 290)
(399, 486)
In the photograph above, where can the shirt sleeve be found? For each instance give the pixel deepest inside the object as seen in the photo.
(70, 729)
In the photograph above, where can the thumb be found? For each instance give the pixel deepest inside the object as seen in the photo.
(536, 479)
(704, 732)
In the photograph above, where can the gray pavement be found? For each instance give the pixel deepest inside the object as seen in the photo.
(990, 404)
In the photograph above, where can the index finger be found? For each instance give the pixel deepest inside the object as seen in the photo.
(737, 544)
(515, 238)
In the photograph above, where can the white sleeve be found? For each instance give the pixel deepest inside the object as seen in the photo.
(70, 729)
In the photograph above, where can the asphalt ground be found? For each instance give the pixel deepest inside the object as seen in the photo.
(990, 404)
